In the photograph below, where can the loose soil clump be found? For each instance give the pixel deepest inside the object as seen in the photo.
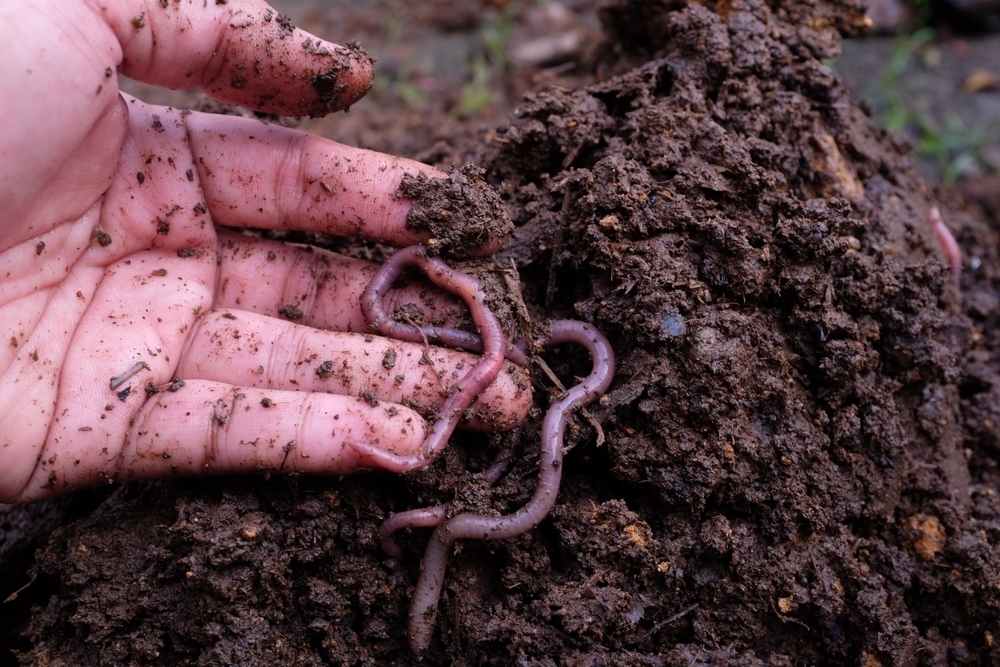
(462, 213)
(801, 449)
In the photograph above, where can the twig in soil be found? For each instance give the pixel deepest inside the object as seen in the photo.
(423, 608)
(13, 596)
(512, 281)
(662, 624)
(583, 411)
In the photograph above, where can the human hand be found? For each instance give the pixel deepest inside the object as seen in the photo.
(110, 258)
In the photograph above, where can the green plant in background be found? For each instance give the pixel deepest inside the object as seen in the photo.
(496, 33)
(480, 91)
(400, 86)
(887, 92)
(487, 69)
(953, 146)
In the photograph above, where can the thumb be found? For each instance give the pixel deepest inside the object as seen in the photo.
(237, 51)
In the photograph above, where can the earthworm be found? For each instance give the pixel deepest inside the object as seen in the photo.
(429, 517)
(374, 310)
(465, 391)
(503, 458)
(950, 245)
(425, 517)
(423, 607)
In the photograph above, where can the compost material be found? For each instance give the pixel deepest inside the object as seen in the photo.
(801, 451)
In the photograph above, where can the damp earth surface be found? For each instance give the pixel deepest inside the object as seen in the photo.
(800, 447)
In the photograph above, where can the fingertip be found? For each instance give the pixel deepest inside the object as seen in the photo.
(344, 83)
(312, 77)
(505, 403)
(461, 213)
(241, 53)
(519, 383)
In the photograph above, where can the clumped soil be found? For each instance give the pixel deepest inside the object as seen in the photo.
(459, 212)
(801, 449)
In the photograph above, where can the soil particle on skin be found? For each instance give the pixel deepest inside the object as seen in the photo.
(326, 83)
(285, 25)
(290, 312)
(801, 457)
(324, 370)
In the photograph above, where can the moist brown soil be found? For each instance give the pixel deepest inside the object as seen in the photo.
(460, 212)
(801, 457)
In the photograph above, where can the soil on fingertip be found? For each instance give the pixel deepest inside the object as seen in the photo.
(334, 95)
(801, 451)
(461, 212)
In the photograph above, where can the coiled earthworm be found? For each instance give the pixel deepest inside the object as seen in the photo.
(472, 383)
(373, 308)
(423, 607)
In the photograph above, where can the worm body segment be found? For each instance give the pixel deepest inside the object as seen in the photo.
(423, 608)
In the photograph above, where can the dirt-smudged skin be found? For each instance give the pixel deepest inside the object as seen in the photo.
(800, 464)
(336, 77)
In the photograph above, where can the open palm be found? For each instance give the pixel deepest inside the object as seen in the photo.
(111, 263)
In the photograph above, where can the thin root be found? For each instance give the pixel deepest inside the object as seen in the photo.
(584, 412)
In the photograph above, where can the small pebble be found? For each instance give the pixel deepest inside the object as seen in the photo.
(673, 324)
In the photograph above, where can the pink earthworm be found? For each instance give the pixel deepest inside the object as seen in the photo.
(423, 607)
(950, 245)
(425, 517)
(373, 308)
(465, 391)
(429, 517)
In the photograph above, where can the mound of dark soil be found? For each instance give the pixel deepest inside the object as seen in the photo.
(801, 456)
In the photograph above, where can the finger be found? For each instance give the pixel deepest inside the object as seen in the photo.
(29, 388)
(315, 287)
(271, 177)
(240, 51)
(250, 350)
(211, 428)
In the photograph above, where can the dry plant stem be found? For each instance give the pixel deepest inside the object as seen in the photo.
(374, 310)
(471, 385)
(119, 380)
(423, 608)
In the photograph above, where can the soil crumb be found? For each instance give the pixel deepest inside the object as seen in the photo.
(462, 213)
